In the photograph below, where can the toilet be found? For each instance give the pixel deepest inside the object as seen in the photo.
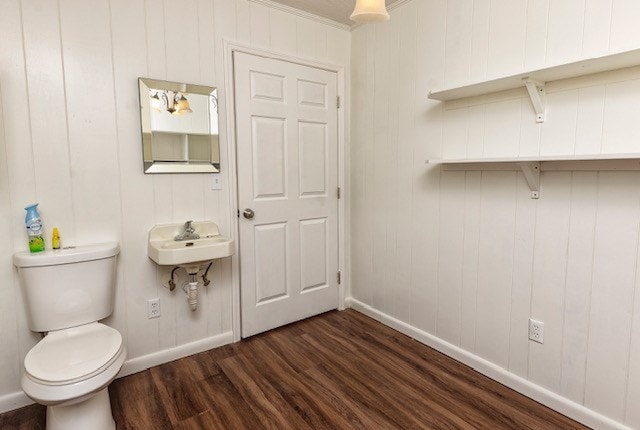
(67, 292)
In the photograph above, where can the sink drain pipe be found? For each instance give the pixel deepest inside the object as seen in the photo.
(191, 289)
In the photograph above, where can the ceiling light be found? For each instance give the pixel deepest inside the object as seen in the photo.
(370, 11)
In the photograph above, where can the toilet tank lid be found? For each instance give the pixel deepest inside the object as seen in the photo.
(75, 254)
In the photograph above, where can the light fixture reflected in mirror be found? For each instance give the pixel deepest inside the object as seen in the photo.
(183, 105)
(174, 103)
(370, 11)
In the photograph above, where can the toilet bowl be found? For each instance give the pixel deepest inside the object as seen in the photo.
(69, 367)
(67, 292)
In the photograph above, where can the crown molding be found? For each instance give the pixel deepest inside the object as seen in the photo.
(273, 5)
(397, 4)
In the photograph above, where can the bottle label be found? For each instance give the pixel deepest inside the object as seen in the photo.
(34, 231)
(35, 227)
(36, 244)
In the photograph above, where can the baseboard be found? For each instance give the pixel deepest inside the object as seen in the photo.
(548, 398)
(12, 401)
(144, 362)
(18, 399)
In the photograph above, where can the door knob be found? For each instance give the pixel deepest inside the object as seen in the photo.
(248, 213)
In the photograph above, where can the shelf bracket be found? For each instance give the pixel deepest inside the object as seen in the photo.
(531, 172)
(538, 95)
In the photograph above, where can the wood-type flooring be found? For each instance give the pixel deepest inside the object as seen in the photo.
(339, 370)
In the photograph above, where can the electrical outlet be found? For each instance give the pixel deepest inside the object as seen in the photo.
(153, 308)
(536, 330)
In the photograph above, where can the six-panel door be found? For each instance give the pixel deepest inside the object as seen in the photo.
(286, 126)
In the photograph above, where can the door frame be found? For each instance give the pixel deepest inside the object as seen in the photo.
(343, 159)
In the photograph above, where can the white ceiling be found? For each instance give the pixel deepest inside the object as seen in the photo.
(336, 10)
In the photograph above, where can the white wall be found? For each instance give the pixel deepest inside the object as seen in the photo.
(70, 140)
(467, 256)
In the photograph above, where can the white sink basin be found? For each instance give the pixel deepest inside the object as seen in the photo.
(166, 251)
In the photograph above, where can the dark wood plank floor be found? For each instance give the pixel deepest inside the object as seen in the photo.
(340, 370)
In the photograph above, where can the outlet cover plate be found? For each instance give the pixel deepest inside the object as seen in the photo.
(153, 308)
(536, 330)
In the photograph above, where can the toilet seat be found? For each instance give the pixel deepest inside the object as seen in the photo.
(71, 363)
(73, 354)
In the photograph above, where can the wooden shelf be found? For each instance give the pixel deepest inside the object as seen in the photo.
(532, 166)
(553, 73)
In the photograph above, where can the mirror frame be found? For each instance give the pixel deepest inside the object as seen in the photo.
(187, 166)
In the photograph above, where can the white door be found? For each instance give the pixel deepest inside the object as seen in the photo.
(287, 150)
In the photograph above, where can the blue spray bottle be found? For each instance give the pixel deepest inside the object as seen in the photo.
(34, 229)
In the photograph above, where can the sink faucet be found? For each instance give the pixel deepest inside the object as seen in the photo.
(189, 233)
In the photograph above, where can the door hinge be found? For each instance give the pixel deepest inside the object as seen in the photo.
(339, 194)
(339, 277)
(338, 102)
(238, 213)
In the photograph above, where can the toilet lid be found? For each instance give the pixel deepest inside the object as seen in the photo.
(73, 353)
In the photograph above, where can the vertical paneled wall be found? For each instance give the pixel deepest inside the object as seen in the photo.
(468, 256)
(70, 140)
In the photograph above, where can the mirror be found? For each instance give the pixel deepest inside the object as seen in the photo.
(179, 127)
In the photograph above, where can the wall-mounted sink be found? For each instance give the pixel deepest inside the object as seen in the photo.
(166, 251)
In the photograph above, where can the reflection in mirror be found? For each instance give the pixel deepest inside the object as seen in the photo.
(179, 127)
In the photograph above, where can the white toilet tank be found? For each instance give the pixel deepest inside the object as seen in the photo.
(68, 287)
